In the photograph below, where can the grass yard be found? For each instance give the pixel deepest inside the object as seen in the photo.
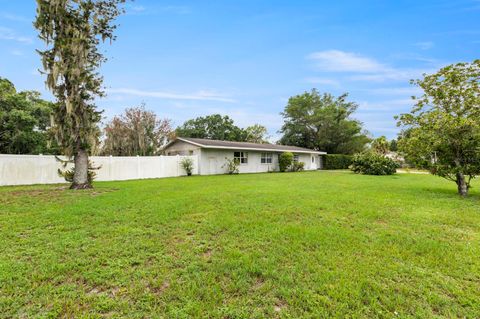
(292, 245)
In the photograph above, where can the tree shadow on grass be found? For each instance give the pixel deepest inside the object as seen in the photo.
(450, 193)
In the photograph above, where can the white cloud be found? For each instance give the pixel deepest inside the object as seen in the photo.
(396, 91)
(198, 96)
(142, 10)
(389, 105)
(323, 81)
(138, 8)
(426, 45)
(341, 61)
(14, 17)
(392, 75)
(415, 57)
(9, 34)
(362, 68)
(176, 9)
(16, 52)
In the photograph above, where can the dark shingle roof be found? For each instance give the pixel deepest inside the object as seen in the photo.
(244, 145)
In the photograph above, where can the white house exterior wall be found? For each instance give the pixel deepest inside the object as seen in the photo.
(212, 160)
(183, 148)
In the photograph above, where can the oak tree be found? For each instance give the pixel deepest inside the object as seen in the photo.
(323, 122)
(214, 127)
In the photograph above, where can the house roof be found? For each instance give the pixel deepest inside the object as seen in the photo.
(217, 144)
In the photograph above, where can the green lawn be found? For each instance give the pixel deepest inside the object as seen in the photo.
(291, 245)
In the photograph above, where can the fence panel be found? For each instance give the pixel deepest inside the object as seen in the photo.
(43, 169)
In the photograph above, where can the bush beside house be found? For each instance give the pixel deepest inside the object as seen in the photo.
(285, 160)
(372, 163)
(337, 161)
(297, 166)
(232, 165)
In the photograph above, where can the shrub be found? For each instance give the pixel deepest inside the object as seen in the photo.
(285, 160)
(187, 165)
(297, 166)
(231, 165)
(373, 164)
(337, 161)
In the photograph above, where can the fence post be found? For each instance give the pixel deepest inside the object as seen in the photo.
(42, 170)
(138, 167)
(110, 164)
(178, 165)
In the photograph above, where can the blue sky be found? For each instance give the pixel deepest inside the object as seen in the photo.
(245, 58)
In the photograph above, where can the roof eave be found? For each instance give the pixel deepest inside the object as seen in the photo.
(263, 149)
(188, 141)
(249, 148)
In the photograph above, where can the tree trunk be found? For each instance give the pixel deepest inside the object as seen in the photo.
(80, 176)
(462, 185)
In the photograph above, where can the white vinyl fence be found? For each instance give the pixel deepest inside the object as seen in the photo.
(43, 169)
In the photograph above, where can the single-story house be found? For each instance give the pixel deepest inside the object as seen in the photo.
(253, 157)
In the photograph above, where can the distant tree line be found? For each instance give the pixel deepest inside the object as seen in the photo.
(218, 127)
(312, 120)
(315, 121)
(441, 133)
(24, 122)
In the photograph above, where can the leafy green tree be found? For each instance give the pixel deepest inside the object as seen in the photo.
(380, 145)
(393, 145)
(322, 122)
(443, 128)
(24, 121)
(136, 132)
(257, 134)
(72, 31)
(215, 127)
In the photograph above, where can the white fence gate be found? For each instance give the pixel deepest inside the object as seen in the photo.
(43, 169)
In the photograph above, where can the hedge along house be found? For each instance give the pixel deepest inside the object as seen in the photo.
(253, 158)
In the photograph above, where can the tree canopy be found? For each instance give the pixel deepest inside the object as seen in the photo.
(136, 132)
(322, 122)
(24, 121)
(218, 127)
(256, 133)
(442, 131)
(72, 31)
(380, 145)
(215, 127)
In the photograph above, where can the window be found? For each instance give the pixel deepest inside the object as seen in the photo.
(266, 158)
(242, 157)
(313, 159)
(296, 158)
(190, 152)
